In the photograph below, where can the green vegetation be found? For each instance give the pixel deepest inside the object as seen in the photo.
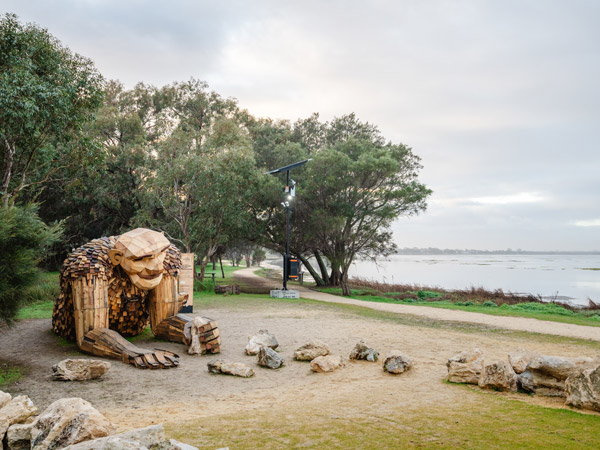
(485, 421)
(9, 374)
(543, 311)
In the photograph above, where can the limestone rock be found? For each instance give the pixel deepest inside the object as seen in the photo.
(68, 421)
(5, 397)
(79, 369)
(16, 410)
(555, 366)
(230, 368)
(268, 357)
(327, 363)
(262, 339)
(583, 389)
(498, 375)
(465, 367)
(139, 438)
(396, 362)
(18, 436)
(542, 384)
(520, 358)
(310, 351)
(364, 352)
(108, 443)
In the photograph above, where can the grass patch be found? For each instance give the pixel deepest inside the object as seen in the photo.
(542, 311)
(38, 299)
(10, 374)
(484, 421)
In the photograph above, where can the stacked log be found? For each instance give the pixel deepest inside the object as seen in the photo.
(208, 333)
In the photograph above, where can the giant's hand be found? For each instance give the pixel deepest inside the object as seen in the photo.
(105, 342)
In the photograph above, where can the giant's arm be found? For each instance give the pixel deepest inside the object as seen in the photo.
(91, 310)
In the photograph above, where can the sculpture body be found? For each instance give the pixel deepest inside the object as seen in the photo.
(113, 286)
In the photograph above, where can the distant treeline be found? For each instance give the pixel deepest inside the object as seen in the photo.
(450, 251)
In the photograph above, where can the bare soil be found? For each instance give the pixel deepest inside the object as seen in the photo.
(132, 397)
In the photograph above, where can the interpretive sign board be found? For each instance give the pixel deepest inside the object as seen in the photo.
(280, 293)
(186, 281)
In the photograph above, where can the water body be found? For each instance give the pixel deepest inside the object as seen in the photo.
(565, 277)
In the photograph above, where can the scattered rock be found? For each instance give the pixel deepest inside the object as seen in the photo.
(555, 366)
(268, 357)
(327, 363)
(68, 421)
(539, 383)
(546, 375)
(583, 389)
(262, 339)
(17, 410)
(519, 359)
(18, 436)
(172, 444)
(230, 368)
(364, 352)
(397, 362)
(310, 351)
(195, 347)
(79, 369)
(5, 397)
(465, 367)
(498, 375)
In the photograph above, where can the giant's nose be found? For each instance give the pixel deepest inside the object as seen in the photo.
(154, 265)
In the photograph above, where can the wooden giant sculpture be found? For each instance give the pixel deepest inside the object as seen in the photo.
(113, 286)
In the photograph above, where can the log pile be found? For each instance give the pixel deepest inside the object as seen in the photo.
(227, 289)
(203, 336)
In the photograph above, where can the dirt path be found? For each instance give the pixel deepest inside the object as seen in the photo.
(247, 276)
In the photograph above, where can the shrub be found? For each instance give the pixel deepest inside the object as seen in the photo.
(24, 240)
(489, 304)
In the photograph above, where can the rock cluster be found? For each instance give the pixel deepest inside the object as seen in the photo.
(71, 423)
(79, 369)
(577, 380)
(262, 339)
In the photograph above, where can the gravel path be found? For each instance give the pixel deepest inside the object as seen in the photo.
(248, 277)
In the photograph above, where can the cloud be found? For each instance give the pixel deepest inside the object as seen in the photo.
(511, 199)
(587, 223)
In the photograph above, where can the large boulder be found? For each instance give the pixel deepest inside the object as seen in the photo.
(311, 350)
(583, 389)
(17, 410)
(79, 369)
(269, 358)
(262, 339)
(18, 436)
(498, 375)
(327, 363)
(68, 421)
(230, 368)
(5, 397)
(520, 358)
(546, 375)
(465, 367)
(396, 362)
(139, 438)
(362, 351)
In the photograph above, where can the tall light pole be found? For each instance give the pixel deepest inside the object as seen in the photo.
(290, 191)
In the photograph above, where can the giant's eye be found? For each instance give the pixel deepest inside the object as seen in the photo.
(138, 259)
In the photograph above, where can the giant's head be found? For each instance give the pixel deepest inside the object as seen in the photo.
(141, 253)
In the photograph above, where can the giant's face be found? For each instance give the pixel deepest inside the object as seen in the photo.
(141, 253)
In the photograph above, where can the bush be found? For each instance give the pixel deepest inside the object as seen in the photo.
(424, 295)
(489, 304)
(469, 303)
(24, 240)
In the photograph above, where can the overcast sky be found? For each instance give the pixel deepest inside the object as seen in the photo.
(501, 99)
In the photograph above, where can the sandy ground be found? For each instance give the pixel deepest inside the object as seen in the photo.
(247, 276)
(132, 397)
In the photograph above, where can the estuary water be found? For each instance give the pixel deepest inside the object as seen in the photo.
(573, 278)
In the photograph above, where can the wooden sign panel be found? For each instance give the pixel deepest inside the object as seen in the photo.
(186, 281)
